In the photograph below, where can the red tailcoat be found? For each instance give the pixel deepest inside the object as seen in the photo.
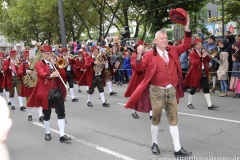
(143, 104)
(1, 77)
(194, 74)
(87, 77)
(25, 91)
(7, 82)
(149, 63)
(79, 66)
(39, 97)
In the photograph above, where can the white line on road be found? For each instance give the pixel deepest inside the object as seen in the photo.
(108, 151)
(202, 116)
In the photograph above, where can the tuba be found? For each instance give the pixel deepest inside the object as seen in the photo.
(31, 80)
(101, 59)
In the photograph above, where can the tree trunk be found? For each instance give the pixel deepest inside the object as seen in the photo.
(137, 30)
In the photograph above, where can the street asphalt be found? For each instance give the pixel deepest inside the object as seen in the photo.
(111, 133)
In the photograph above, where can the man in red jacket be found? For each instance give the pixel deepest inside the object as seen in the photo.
(163, 72)
(49, 82)
(11, 80)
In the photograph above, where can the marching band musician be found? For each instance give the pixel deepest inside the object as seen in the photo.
(48, 83)
(23, 69)
(11, 79)
(2, 78)
(197, 75)
(79, 67)
(108, 71)
(70, 74)
(93, 79)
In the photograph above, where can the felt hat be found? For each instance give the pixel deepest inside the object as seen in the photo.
(178, 15)
(46, 48)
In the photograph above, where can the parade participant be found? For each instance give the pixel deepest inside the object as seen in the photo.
(2, 78)
(48, 93)
(70, 74)
(11, 79)
(5, 123)
(197, 75)
(79, 67)
(108, 71)
(143, 104)
(93, 76)
(164, 74)
(23, 70)
(212, 47)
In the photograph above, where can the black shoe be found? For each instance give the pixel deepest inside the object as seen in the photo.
(74, 99)
(135, 115)
(22, 108)
(89, 104)
(105, 104)
(64, 138)
(30, 118)
(155, 149)
(238, 96)
(48, 137)
(41, 119)
(13, 107)
(150, 117)
(113, 93)
(235, 96)
(9, 103)
(182, 153)
(212, 107)
(79, 91)
(190, 106)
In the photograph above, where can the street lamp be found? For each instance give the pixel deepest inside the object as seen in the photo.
(62, 24)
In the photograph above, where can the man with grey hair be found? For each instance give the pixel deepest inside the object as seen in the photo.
(5, 123)
(163, 73)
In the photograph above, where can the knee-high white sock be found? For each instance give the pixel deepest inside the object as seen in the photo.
(87, 88)
(79, 87)
(109, 83)
(208, 98)
(102, 97)
(154, 132)
(29, 111)
(7, 95)
(190, 97)
(150, 113)
(214, 80)
(89, 98)
(72, 92)
(47, 126)
(175, 137)
(40, 111)
(20, 99)
(12, 101)
(133, 110)
(61, 125)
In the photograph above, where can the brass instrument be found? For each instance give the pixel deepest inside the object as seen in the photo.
(212, 55)
(60, 62)
(71, 56)
(31, 80)
(99, 68)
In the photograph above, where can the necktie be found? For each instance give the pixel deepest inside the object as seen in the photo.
(165, 57)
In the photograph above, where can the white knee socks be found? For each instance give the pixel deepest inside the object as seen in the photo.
(61, 125)
(89, 98)
(154, 132)
(102, 97)
(208, 98)
(175, 137)
(72, 92)
(190, 97)
(40, 111)
(20, 99)
(47, 126)
(109, 83)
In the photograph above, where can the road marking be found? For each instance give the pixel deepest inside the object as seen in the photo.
(89, 144)
(202, 116)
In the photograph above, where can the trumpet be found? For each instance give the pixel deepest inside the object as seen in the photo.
(15, 61)
(212, 55)
(70, 56)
